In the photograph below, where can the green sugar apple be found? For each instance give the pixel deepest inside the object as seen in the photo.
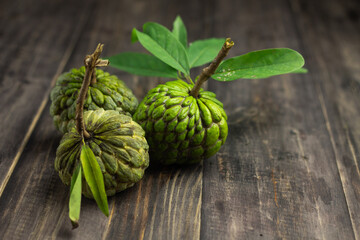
(119, 146)
(108, 93)
(179, 128)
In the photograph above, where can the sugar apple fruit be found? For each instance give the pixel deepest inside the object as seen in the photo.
(108, 93)
(119, 146)
(180, 128)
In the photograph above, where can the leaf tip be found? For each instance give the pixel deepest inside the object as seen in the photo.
(107, 213)
(134, 37)
(178, 18)
(75, 224)
(105, 209)
(301, 71)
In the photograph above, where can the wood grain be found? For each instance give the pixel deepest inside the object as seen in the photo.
(164, 205)
(290, 166)
(278, 171)
(33, 54)
(338, 87)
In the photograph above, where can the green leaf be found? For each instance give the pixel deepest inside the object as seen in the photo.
(134, 37)
(142, 64)
(300, 70)
(204, 51)
(162, 44)
(179, 31)
(75, 197)
(94, 178)
(259, 64)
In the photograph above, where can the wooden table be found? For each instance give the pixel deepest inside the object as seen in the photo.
(290, 166)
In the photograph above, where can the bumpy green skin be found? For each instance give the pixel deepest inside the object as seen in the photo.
(108, 93)
(119, 145)
(179, 128)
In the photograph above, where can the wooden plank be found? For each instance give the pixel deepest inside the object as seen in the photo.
(164, 205)
(36, 43)
(167, 201)
(277, 176)
(338, 87)
(288, 170)
(35, 200)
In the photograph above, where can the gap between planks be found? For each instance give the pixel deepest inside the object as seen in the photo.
(60, 69)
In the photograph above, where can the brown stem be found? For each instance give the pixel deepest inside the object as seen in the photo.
(93, 78)
(209, 70)
(90, 61)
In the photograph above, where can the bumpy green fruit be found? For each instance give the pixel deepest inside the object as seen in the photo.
(108, 93)
(180, 128)
(119, 146)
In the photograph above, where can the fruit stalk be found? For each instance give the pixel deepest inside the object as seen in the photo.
(93, 78)
(210, 70)
(91, 62)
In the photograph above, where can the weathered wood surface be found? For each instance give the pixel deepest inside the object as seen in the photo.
(289, 169)
(36, 40)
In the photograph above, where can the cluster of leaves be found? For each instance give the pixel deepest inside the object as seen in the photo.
(94, 179)
(173, 58)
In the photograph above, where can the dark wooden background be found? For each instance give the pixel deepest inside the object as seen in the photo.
(289, 169)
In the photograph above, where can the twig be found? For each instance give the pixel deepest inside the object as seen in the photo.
(210, 70)
(91, 62)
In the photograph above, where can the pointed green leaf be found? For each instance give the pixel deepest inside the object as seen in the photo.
(204, 51)
(94, 178)
(179, 31)
(300, 70)
(75, 197)
(134, 37)
(259, 64)
(142, 64)
(162, 44)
